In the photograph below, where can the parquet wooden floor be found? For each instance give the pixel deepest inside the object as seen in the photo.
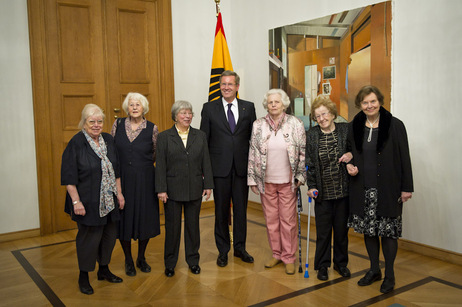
(43, 271)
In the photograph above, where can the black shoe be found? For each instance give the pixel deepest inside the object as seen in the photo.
(244, 255)
(322, 273)
(388, 285)
(222, 260)
(143, 265)
(107, 275)
(342, 270)
(130, 268)
(369, 278)
(85, 287)
(195, 269)
(169, 272)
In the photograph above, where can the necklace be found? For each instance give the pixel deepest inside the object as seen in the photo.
(369, 138)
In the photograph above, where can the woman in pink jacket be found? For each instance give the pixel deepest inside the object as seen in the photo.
(276, 169)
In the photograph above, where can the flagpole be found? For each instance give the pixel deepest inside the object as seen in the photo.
(217, 2)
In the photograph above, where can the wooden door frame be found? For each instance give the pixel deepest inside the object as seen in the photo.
(40, 94)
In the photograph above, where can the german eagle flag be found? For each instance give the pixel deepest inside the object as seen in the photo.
(221, 60)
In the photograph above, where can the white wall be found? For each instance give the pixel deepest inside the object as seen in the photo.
(426, 72)
(426, 91)
(18, 188)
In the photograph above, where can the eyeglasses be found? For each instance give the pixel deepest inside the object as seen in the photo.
(322, 115)
(227, 84)
(94, 122)
(185, 113)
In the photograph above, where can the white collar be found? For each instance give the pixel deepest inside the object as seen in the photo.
(225, 103)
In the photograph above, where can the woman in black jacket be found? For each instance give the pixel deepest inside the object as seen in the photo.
(381, 182)
(90, 172)
(326, 154)
(183, 177)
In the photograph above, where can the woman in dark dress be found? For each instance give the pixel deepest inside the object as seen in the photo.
(135, 139)
(381, 182)
(90, 172)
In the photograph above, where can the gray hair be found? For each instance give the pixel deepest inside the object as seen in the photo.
(138, 97)
(284, 98)
(90, 110)
(180, 105)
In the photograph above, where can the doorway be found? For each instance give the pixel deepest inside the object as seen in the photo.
(84, 52)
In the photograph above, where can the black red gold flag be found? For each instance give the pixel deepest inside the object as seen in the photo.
(221, 60)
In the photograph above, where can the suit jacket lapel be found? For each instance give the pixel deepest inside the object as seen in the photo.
(175, 138)
(242, 113)
(191, 138)
(221, 114)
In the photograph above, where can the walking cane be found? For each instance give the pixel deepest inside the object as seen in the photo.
(300, 207)
(308, 235)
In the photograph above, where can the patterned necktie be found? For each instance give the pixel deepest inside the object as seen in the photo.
(231, 120)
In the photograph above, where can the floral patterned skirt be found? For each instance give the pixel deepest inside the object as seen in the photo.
(373, 225)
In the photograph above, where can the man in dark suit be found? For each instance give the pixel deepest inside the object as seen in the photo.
(227, 123)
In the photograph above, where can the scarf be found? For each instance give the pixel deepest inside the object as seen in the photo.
(272, 124)
(108, 184)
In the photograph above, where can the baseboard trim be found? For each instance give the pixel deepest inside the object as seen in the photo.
(422, 249)
(17, 235)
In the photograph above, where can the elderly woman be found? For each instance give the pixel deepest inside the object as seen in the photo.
(276, 169)
(381, 182)
(90, 172)
(327, 181)
(183, 177)
(135, 140)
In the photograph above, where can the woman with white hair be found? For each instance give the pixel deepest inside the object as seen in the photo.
(276, 169)
(135, 139)
(90, 172)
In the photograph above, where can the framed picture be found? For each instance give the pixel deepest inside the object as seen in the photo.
(328, 72)
(326, 88)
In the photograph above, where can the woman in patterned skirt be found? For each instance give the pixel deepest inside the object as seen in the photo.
(380, 182)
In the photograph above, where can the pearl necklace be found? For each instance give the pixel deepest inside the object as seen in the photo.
(369, 138)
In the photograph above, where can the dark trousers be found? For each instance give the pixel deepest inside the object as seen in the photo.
(331, 214)
(95, 243)
(232, 187)
(173, 211)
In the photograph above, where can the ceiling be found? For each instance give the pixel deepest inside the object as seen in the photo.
(335, 25)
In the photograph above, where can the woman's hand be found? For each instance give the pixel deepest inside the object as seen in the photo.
(311, 193)
(254, 189)
(79, 209)
(163, 197)
(352, 170)
(346, 157)
(405, 196)
(120, 196)
(207, 193)
(121, 200)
